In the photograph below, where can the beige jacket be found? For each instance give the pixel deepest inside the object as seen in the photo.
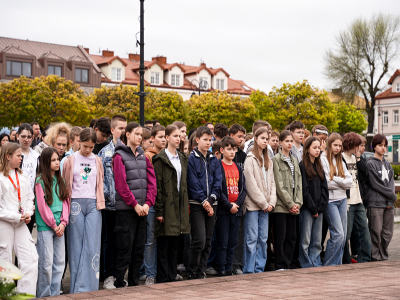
(259, 196)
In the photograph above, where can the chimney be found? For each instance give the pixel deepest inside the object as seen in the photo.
(134, 56)
(203, 64)
(107, 53)
(161, 59)
(87, 50)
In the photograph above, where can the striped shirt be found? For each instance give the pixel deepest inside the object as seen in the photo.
(289, 161)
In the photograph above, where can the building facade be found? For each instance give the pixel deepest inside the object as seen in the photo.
(386, 121)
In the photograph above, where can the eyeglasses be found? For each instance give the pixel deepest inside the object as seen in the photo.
(24, 137)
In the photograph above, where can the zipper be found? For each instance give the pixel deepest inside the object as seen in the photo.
(205, 163)
(140, 177)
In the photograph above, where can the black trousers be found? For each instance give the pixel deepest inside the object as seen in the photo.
(238, 256)
(285, 228)
(108, 251)
(130, 238)
(167, 257)
(201, 228)
(227, 232)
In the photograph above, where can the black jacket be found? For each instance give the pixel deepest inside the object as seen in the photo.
(240, 157)
(315, 192)
(224, 206)
(363, 174)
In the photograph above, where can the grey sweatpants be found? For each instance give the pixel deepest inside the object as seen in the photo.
(380, 223)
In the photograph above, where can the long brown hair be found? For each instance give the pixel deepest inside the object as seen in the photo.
(45, 176)
(8, 149)
(179, 125)
(338, 157)
(307, 161)
(256, 150)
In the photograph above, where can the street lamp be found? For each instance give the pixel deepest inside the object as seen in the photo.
(199, 86)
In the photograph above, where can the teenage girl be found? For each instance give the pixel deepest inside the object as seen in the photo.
(136, 188)
(83, 173)
(16, 209)
(339, 180)
(52, 214)
(146, 139)
(57, 136)
(172, 204)
(315, 200)
(182, 128)
(289, 201)
(260, 201)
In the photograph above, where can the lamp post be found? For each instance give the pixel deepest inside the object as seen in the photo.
(142, 94)
(199, 86)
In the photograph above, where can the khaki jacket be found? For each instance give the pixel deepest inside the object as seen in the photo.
(286, 198)
(259, 195)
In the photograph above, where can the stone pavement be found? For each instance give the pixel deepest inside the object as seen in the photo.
(376, 280)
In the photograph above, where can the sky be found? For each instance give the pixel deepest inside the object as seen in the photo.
(265, 43)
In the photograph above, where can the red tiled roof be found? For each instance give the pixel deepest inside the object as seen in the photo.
(215, 71)
(170, 66)
(397, 73)
(109, 60)
(388, 94)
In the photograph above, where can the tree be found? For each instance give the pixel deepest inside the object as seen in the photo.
(299, 101)
(220, 107)
(349, 118)
(363, 57)
(44, 100)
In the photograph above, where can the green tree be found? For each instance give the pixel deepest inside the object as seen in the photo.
(363, 56)
(299, 101)
(220, 107)
(44, 100)
(349, 118)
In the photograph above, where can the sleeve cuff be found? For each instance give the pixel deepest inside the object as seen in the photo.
(204, 201)
(159, 213)
(213, 196)
(148, 202)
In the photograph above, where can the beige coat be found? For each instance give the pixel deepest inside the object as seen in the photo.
(259, 196)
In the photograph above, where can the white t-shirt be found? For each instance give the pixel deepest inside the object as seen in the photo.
(29, 165)
(355, 196)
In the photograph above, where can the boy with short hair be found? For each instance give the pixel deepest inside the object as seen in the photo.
(103, 134)
(204, 181)
(233, 194)
(216, 148)
(321, 132)
(274, 141)
(297, 130)
(220, 131)
(150, 252)
(74, 140)
(238, 132)
(118, 124)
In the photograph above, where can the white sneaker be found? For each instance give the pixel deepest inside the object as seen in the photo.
(281, 270)
(149, 280)
(178, 277)
(109, 283)
(143, 278)
(181, 268)
(211, 271)
(238, 272)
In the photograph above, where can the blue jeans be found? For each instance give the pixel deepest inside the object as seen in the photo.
(51, 251)
(310, 239)
(255, 241)
(150, 250)
(84, 242)
(357, 221)
(336, 216)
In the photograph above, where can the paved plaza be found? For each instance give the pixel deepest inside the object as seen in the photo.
(376, 280)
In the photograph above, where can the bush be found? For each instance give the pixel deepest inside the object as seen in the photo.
(396, 171)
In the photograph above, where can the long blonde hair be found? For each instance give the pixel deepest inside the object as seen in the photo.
(338, 157)
(256, 150)
(8, 149)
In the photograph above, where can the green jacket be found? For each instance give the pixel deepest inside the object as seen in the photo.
(284, 184)
(173, 207)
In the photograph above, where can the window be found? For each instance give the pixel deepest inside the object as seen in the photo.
(175, 80)
(82, 75)
(16, 68)
(395, 117)
(56, 70)
(398, 87)
(385, 118)
(116, 74)
(204, 82)
(155, 78)
(220, 84)
(246, 88)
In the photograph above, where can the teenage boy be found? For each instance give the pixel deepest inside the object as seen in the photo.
(103, 134)
(150, 251)
(250, 143)
(108, 251)
(211, 126)
(321, 132)
(297, 130)
(274, 142)
(75, 141)
(237, 132)
(204, 186)
(233, 194)
(220, 131)
(148, 124)
(216, 148)
(36, 134)
(356, 216)
(39, 147)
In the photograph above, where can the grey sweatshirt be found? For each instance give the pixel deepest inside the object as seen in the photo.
(381, 193)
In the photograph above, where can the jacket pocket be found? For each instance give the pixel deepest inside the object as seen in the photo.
(122, 237)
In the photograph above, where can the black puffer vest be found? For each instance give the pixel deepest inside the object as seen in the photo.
(136, 175)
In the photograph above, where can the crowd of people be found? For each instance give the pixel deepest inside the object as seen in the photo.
(116, 197)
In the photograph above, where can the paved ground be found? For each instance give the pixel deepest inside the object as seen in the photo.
(377, 280)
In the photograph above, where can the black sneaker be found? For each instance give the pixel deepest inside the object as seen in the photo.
(229, 273)
(191, 276)
(222, 273)
(201, 276)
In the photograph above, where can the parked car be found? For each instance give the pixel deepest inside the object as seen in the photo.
(367, 154)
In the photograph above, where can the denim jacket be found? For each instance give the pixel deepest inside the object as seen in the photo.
(106, 155)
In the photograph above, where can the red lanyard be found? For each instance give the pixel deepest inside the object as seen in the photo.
(16, 187)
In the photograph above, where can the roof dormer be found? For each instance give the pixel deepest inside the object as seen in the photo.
(395, 82)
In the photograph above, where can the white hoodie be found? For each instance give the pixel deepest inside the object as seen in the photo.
(338, 186)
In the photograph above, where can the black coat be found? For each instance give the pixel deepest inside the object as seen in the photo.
(315, 192)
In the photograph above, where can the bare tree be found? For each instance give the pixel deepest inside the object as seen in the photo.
(362, 58)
